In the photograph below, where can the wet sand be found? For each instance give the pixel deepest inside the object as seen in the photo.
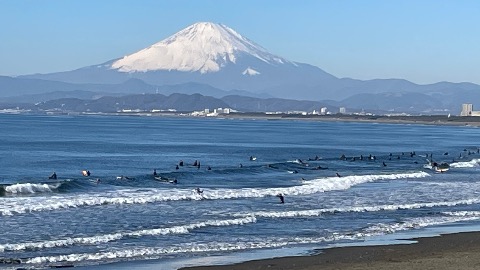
(451, 251)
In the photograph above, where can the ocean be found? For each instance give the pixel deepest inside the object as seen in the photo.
(342, 183)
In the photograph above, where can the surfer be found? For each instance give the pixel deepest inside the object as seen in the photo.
(338, 175)
(180, 163)
(198, 165)
(195, 164)
(176, 167)
(198, 191)
(384, 165)
(53, 176)
(209, 168)
(154, 172)
(282, 198)
(241, 165)
(97, 181)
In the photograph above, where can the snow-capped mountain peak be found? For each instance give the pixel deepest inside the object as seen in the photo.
(203, 47)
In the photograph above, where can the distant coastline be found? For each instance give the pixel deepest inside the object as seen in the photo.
(441, 120)
(422, 119)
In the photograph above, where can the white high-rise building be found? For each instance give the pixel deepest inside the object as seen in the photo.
(343, 110)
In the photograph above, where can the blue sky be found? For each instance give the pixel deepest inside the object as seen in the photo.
(422, 41)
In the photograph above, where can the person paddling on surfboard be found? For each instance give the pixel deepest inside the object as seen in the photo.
(282, 198)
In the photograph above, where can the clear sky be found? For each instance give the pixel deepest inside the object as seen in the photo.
(423, 41)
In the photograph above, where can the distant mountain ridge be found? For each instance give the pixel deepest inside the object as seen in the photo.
(214, 60)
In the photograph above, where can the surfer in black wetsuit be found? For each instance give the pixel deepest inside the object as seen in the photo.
(209, 168)
(176, 167)
(180, 163)
(338, 175)
(384, 165)
(199, 191)
(154, 172)
(53, 176)
(282, 198)
(195, 164)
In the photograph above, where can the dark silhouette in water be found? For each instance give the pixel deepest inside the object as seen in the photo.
(384, 165)
(199, 191)
(282, 198)
(180, 163)
(176, 167)
(241, 165)
(338, 175)
(195, 164)
(209, 168)
(53, 176)
(154, 172)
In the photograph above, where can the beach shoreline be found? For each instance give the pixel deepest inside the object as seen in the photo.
(443, 252)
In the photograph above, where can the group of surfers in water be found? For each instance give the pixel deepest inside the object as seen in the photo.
(281, 196)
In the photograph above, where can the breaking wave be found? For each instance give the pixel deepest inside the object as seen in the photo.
(150, 252)
(466, 164)
(161, 195)
(105, 238)
(29, 188)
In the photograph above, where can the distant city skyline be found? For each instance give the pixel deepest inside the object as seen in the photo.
(420, 41)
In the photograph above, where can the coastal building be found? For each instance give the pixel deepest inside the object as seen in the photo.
(343, 110)
(467, 110)
(323, 110)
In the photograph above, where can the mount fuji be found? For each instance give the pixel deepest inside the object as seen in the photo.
(214, 55)
(206, 53)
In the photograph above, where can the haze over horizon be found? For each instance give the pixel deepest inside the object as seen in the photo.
(423, 42)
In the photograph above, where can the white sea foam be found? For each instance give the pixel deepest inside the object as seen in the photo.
(135, 196)
(466, 164)
(376, 208)
(29, 188)
(149, 252)
(105, 238)
(422, 222)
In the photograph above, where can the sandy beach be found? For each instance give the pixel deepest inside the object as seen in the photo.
(451, 251)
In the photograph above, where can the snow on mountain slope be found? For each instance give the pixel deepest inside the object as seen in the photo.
(250, 71)
(204, 47)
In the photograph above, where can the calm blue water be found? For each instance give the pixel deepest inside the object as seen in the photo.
(129, 215)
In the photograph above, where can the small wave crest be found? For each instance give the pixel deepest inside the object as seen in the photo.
(466, 164)
(105, 238)
(30, 188)
(319, 212)
(149, 252)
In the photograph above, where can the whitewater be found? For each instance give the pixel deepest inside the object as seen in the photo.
(334, 193)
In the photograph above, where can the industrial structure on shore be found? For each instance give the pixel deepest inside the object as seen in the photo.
(467, 110)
